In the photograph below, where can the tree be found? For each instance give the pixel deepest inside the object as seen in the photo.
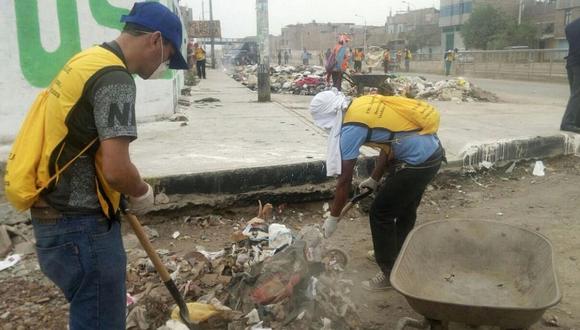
(524, 34)
(488, 28)
(483, 27)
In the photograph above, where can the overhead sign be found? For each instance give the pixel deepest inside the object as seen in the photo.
(205, 29)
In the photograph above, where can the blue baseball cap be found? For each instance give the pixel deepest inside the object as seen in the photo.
(157, 17)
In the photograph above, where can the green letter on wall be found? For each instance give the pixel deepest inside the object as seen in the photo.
(39, 66)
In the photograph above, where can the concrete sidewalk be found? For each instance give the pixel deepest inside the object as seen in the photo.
(238, 145)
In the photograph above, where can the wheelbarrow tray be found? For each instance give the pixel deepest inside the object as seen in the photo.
(368, 80)
(477, 273)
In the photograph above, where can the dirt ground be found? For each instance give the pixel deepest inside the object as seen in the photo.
(548, 205)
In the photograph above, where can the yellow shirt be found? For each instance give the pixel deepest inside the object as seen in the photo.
(199, 54)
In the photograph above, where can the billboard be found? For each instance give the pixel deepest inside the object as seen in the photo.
(205, 29)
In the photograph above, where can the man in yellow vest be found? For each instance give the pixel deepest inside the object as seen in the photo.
(90, 107)
(199, 60)
(404, 132)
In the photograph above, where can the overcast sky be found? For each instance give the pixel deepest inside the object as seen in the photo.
(238, 17)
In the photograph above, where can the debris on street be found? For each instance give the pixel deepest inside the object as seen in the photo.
(266, 276)
(454, 90)
(539, 169)
(10, 261)
(310, 80)
(286, 79)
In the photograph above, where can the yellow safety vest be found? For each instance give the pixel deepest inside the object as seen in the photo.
(393, 113)
(57, 129)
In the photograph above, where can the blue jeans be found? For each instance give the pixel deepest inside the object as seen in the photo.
(85, 258)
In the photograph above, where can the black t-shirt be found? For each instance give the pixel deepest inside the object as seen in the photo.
(573, 36)
(112, 98)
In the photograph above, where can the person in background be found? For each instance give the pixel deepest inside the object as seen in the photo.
(449, 58)
(386, 60)
(279, 57)
(359, 56)
(571, 118)
(286, 57)
(321, 58)
(341, 56)
(305, 57)
(408, 57)
(399, 56)
(199, 60)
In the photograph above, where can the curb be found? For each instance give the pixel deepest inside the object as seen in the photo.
(506, 150)
(265, 179)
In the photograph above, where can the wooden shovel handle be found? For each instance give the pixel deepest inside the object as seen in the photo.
(144, 240)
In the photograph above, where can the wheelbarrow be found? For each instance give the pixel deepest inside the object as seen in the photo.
(360, 81)
(476, 273)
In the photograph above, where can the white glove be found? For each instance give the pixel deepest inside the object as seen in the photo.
(369, 183)
(142, 204)
(330, 225)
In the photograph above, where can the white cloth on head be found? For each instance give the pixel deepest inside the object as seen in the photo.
(327, 109)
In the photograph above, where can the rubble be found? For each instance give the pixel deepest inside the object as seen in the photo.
(10, 261)
(287, 79)
(310, 80)
(455, 90)
(260, 279)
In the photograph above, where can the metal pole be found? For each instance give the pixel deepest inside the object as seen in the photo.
(202, 10)
(212, 34)
(365, 36)
(521, 5)
(264, 49)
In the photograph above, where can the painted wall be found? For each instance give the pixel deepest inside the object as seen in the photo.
(39, 36)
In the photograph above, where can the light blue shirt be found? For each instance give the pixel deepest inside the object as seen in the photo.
(409, 147)
(340, 58)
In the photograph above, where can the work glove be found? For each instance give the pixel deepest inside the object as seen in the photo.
(142, 204)
(330, 225)
(370, 184)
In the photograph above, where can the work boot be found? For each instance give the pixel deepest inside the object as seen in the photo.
(371, 256)
(380, 282)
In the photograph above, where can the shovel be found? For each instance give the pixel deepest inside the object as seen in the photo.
(355, 199)
(159, 266)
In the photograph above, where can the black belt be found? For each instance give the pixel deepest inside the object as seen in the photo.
(433, 161)
(47, 215)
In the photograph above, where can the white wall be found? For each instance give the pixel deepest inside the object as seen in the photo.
(30, 61)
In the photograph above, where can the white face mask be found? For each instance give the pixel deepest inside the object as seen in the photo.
(161, 69)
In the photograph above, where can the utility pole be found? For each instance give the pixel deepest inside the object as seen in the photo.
(264, 50)
(521, 9)
(202, 10)
(212, 31)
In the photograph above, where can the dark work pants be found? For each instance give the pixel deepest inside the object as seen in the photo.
(200, 66)
(394, 211)
(337, 79)
(572, 114)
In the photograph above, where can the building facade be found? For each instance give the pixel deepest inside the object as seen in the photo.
(567, 11)
(417, 29)
(319, 36)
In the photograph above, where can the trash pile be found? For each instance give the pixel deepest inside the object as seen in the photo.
(455, 90)
(286, 79)
(266, 277)
(15, 239)
(310, 80)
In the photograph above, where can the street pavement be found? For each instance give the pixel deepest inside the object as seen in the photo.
(238, 132)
